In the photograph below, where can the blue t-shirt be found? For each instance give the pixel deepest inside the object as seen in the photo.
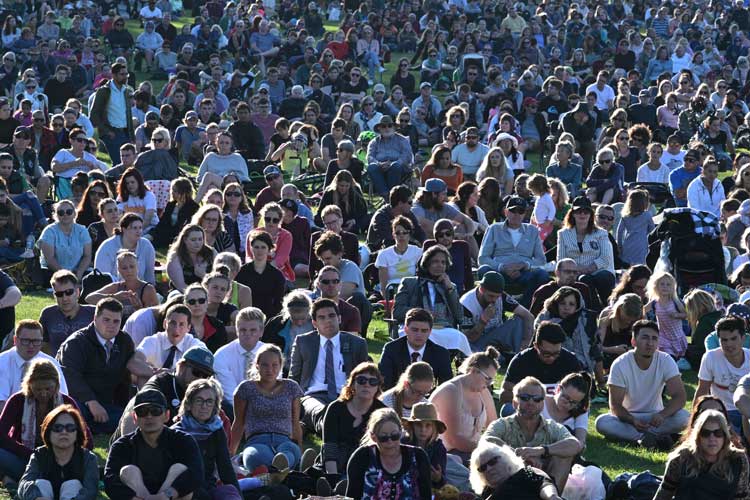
(679, 179)
(68, 248)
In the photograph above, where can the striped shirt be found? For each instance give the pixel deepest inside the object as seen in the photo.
(595, 249)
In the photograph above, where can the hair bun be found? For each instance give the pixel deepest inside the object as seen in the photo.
(492, 352)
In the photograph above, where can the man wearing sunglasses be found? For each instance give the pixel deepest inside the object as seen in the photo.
(155, 461)
(94, 361)
(328, 286)
(637, 381)
(322, 361)
(541, 442)
(14, 362)
(67, 316)
(389, 157)
(414, 346)
(681, 177)
(514, 249)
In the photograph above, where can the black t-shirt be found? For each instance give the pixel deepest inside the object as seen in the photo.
(528, 364)
(7, 127)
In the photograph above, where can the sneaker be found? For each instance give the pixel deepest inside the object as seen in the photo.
(323, 487)
(308, 459)
(684, 365)
(27, 254)
(280, 462)
(648, 440)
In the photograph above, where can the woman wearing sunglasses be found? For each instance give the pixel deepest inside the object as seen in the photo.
(272, 214)
(65, 244)
(383, 467)
(706, 465)
(88, 210)
(20, 431)
(203, 327)
(345, 421)
(63, 468)
(497, 472)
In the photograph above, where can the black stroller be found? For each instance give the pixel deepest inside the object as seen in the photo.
(686, 243)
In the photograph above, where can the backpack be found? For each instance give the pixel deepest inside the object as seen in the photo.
(630, 486)
(92, 282)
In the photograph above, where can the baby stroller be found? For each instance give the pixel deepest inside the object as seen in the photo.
(686, 243)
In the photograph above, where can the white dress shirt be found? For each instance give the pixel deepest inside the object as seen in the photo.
(229, 366)
(318, 381)
(11, 372)
(156, 348)
(420, 352)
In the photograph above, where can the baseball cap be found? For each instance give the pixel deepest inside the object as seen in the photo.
(378, 88)
(347, 145)
(271, 170)
(425, 84)
(493, 281)
(264, 86)
(201, 358)
(516, 202)
(435, 185)
(150, 397)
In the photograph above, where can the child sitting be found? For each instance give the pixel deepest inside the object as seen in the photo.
(423, 431)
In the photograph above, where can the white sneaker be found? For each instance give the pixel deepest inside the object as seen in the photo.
(27, 254)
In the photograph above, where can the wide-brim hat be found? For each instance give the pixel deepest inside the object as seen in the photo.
(425, 412)
(385, 120)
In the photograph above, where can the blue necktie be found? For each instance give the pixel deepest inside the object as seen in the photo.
(333, 393)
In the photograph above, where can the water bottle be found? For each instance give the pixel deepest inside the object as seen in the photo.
(30, 240)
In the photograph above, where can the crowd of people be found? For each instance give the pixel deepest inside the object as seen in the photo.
(221, 197)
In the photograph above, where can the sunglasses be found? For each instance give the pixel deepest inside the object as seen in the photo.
(149, 411)
(489, 463)
(605, 161)
(401, 233)
(364, 380)
(690, 159)
(200, 373)
(384, 438)
(529, 397)
(606, 217)
(67, 211)
(233, 194)
(330, 282)
(97, 193)
(356, 75)
(65, 293)
(80, 139)
(443, 234)
(56, 124)
(69, 428)
(705, 433)
(272, 220)
(192, 302)
(517, 211)
(157, 140)
(572, 402)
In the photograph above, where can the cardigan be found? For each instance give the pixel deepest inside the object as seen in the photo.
(595, 249)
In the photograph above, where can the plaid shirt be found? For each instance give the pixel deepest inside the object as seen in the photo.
(507, 430)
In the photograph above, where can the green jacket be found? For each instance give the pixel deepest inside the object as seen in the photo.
(98, 114)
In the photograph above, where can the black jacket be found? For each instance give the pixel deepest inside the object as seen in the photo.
(248, 138)
(179, 447)
(89, 377)
(395, 358)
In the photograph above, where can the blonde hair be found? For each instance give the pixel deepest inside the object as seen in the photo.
(413, 373)
(695, 462)
(377, 419)
(197, 386)
(636, 203)
(41, 369)
(651, 287)
(698, 303)
(562, 192)
(486, 450)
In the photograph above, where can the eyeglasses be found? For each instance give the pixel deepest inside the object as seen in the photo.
(572, 402)
(330, 282)
(486, 377)
(489, 463)
(530, 397)
(67, 211)
(272, 220)
(192, 302)
(384, 438)
(356, 75)
(69, 428)
(65, 293)
(549, 354)
(364, 380)
(443, 234)
(705, 433)
(204, 402)
(149, 411)
(605, 217)
(402, 233)
(30, 342)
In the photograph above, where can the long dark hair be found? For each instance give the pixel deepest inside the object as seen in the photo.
(85, 211)
(122, 190)
(464, 191)
(489, 198)
(580, 381)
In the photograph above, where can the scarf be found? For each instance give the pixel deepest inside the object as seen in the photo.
(28, 420)
(199, 431)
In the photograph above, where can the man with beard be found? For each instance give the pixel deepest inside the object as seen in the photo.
(389, 157)
(470, 154)
(431, 206)
(636, 382)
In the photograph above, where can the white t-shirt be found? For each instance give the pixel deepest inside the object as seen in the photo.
(140, 206)
(602, 96)
(515, 235)
(723, 376)
(544, 209)
(673, 161)
(399, 266)
(65, 156)
(645, 174)
(643, 388)
(579, 422)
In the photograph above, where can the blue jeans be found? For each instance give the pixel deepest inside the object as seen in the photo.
(371, 60)
(735, 420)
(112, 144)
(261, 448)
(32, 212)
(384, 180)
(530, 279)
(108, 427)
(11, 465)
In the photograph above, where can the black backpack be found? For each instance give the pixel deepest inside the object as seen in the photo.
(92, 282)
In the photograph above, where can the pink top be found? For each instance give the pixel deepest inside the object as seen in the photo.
(283, 248)
(667, 118)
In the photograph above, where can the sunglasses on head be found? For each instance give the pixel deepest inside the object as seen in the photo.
(69, 428)
(66, 211)
(384, 438)
(364, 380)
(65, 293)
(149, 411)
(192, 302)
(705, 433)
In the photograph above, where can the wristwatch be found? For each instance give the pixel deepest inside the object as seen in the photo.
(546, 451)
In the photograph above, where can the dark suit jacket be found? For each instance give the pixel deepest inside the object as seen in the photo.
(305, 355)
(395, 359)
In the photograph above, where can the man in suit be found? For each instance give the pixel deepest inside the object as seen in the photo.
(322, 361)
(414, 346)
